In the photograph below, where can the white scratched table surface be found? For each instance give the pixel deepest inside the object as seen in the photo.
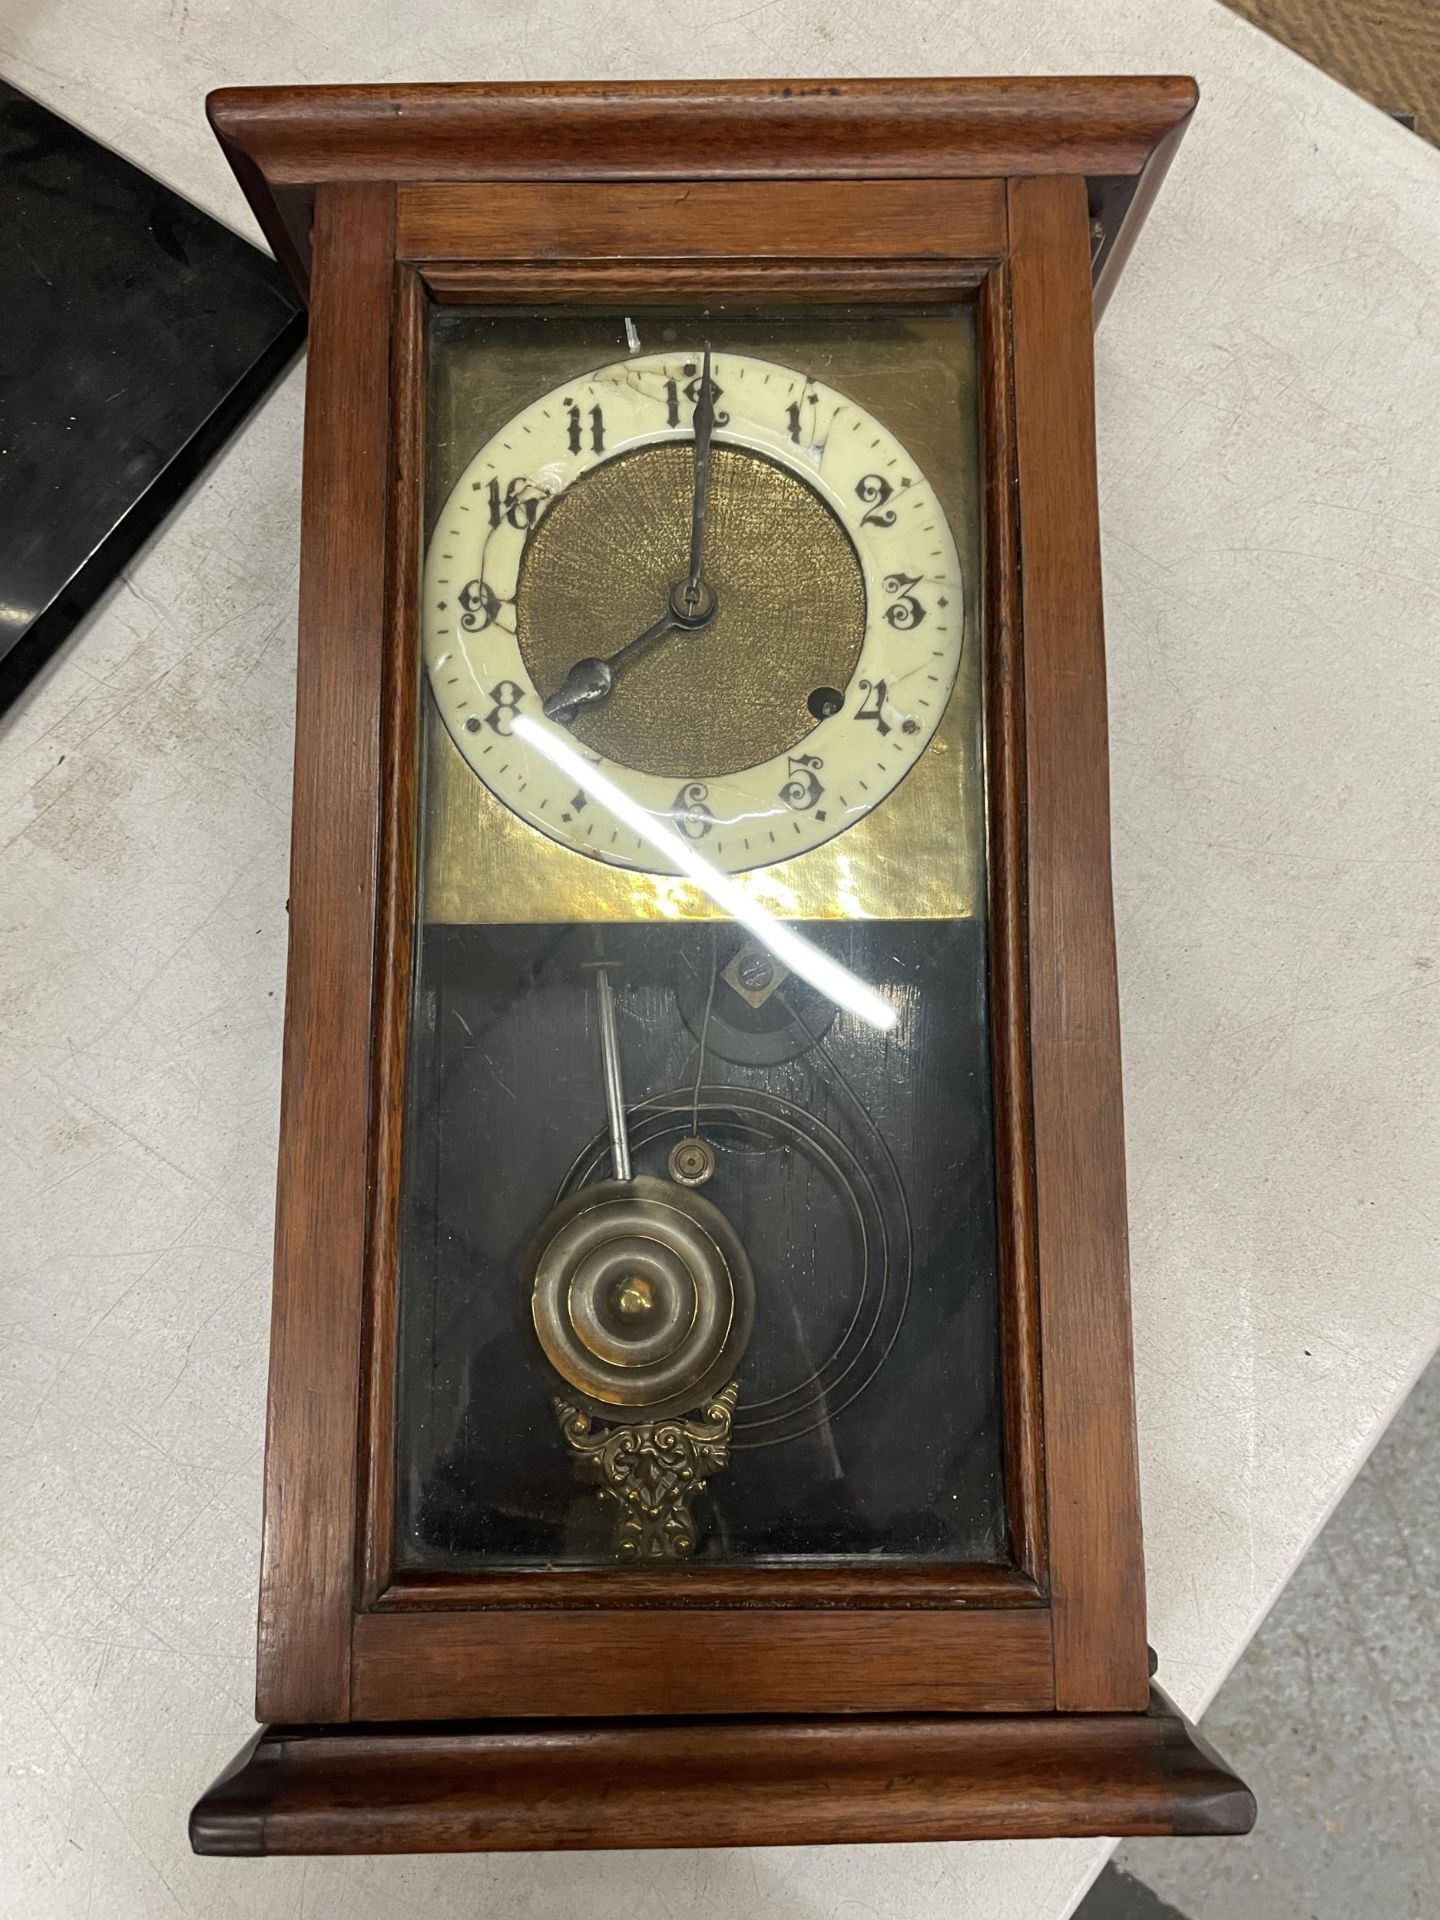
(1269, 390)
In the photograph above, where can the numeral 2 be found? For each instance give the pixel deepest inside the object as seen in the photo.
(874, 489)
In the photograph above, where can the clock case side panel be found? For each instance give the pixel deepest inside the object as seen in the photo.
(1004, 696)
(663, 280)
(312, 1432)
(1096, 1569)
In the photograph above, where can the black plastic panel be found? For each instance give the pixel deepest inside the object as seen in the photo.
(138, 333)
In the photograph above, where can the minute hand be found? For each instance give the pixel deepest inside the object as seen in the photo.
(704, 428)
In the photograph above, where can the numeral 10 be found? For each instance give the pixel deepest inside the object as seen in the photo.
(517, 504)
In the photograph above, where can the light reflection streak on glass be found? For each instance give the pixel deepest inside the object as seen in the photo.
(837, 983)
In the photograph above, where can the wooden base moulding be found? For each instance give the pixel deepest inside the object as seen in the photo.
(516, 1785)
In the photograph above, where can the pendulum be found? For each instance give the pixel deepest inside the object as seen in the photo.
(642, 1299)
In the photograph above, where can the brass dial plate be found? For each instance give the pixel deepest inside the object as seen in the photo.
(920, 855)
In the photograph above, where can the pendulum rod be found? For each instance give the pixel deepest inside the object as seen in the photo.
(614, 1086)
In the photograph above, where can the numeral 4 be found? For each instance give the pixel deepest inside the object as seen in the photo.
(873, 709)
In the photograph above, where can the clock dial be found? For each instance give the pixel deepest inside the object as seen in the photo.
(832, 638)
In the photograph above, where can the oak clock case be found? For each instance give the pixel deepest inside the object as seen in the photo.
(751, 1313)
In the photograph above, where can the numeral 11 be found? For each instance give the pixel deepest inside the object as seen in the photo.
(597, 429)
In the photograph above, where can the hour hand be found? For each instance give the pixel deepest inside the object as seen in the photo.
(587, 681)
(590, 680)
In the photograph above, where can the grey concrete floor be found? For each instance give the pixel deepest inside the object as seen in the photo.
(1333, 1717)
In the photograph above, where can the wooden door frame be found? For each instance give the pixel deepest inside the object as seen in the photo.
(1075, 1523)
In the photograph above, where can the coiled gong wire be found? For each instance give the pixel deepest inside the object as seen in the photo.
(884, 1228)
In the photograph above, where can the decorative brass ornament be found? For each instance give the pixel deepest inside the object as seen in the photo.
(653, 1471)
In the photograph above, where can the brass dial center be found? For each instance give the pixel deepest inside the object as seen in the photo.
(790, 618)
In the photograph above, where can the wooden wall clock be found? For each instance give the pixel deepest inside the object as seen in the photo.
(700, 1405)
